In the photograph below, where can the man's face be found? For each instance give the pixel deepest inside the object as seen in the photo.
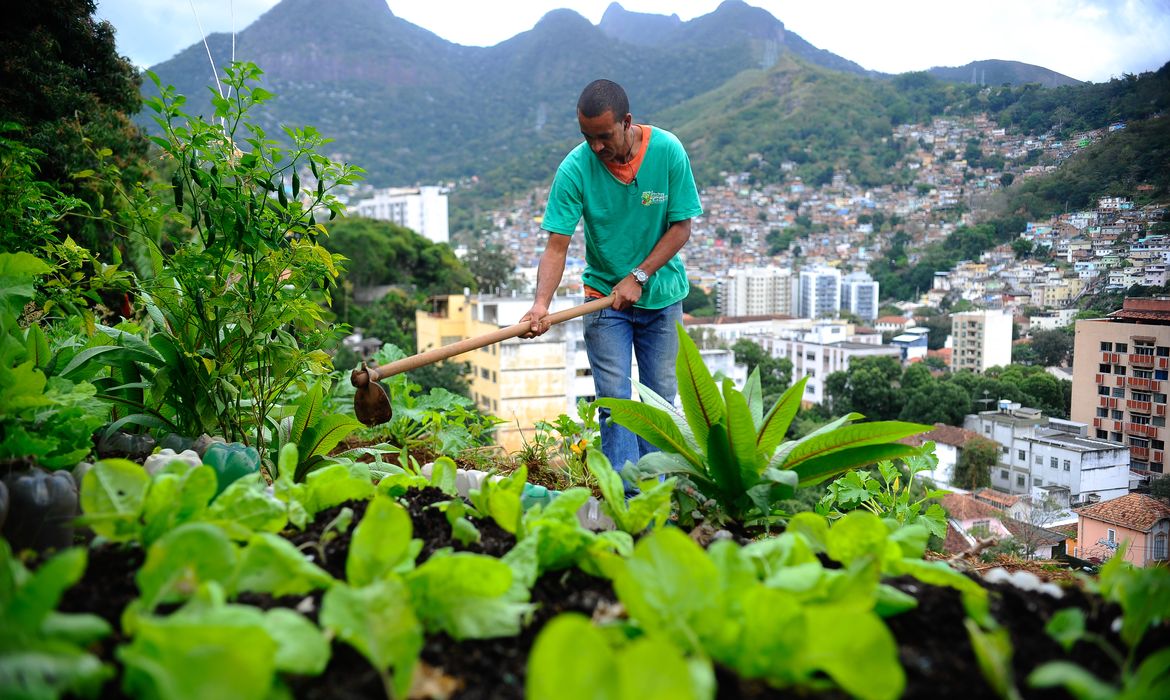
(606, 134)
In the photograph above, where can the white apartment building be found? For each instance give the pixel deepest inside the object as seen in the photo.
(820, 292)
(756, 291)
(421, 209)
(1049, 458)
(980, 340)
(859, 295)
(826, 348)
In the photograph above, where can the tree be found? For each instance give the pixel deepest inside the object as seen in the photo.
(1052, 347)
(381, 252)
(936, 402)
(976, 458)
(64, 83)
(775, 373)
(869, 387)
(1023, 248)
(699, 303)
(493, 267)
(1160, 487)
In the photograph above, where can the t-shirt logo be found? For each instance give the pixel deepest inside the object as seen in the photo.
(649, 198)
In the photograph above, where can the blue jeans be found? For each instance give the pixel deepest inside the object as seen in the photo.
(611, 339)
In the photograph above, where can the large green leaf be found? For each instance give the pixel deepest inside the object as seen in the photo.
(855, 649)
(182, 559)
(724, 469)
(650, 397)
(271, 564)
(112, 497)
(779, 417)
(109, 355)
(468, 596)
(753, 391)
(741, 434)
(851, 436)
(321, 437)
(307, 413)
(380, 543)
(781, 455)
(700, 397)
(817, 469)
(651, 424)
(379, 622)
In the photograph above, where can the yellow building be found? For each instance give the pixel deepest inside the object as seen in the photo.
(521, 381)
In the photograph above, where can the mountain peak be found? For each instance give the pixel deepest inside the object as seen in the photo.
(637, 27)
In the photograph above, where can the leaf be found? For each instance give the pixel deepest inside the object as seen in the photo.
(182, 559)
(324, 435)
(700, 398)
(271, 564)
(443, 474)
(571, 660)
(247, 504)
(380, 623)
(651, 424)
(468, 596)
(380, 542)
(816, 470)
(112, 495)
(336, 484)
(858, 435)
(301, 646)
(651, 398)
(858, 535)
(855, 649)
(1067, 627)
(37, 347)
(1079, 682)
(993, 652)
(779, 417)
(32, 601)
(308, 412)
(741, 434)
(754, 393)
(174, 499)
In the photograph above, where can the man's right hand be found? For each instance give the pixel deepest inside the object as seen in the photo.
(536, 317)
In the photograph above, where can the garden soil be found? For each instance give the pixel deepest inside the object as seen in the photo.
(934, 648)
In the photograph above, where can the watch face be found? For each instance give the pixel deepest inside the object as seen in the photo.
(641, 276)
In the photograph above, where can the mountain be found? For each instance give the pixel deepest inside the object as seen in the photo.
(409, 106)
(637, 27)
(1000, 72)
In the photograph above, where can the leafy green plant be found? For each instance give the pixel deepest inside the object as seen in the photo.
(651, 507)
(314, 433)
(888, 495)
(236, 302)
(43, 653)
(1144, 597)
(734, 455)
(47, 418)
(574, 439)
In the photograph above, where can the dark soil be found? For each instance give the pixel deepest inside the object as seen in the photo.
(933, 643)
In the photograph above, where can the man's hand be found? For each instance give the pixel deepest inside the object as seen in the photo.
(626, 293)
(536, 316)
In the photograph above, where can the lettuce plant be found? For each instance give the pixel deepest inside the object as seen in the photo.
(725, 448)
(889, 494)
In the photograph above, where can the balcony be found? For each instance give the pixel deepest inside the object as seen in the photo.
(1159, 456)
(1139, 406)
(1143, 430)
(1141, 360)
(1144, 384)
(1142, 453)
(1111, 358)
(1160, 409)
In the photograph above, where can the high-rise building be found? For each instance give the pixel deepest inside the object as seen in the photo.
(820, 292)
(1120, 378)
(420, 209)
(981, 340)
(756, 291)
(859, 295)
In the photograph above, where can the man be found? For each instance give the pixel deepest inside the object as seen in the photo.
(633, 186)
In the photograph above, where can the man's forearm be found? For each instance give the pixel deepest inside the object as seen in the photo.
(550, 271)
(672, 241)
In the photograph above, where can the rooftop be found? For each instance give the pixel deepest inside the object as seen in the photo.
(1136, 511)
(963, 507)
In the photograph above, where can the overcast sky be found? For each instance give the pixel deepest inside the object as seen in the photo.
(1090, 40)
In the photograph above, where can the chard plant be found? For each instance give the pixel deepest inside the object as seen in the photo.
(236, 300)
(732, 454)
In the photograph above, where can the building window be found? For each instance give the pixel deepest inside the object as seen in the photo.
(1023, 456)
(1102, 434)
(1119, 370)
(1020, 480)
(987, 429)
(1111, 535)
(1161, 374)
(1067, 465)
(1038, 482)
(1004, 449)
(1157, 444)
(1117, 415)
(1159, 398)
(1102, 412)
(1106, 347)
(1115, 437)
(1053, 462)
(1160, 547)
(1105, 368)
(1163, 351)
(1118, 392)
(1003, 474)
(1122, 347)
(1039, 459)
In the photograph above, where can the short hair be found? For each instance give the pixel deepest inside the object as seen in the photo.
(602, 96)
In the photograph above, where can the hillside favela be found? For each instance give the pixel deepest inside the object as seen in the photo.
(549, 350)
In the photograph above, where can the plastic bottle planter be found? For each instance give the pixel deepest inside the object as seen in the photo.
(231, 461)
(165, 456)
(40, 509)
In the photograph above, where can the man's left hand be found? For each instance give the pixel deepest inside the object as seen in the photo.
(626, 293)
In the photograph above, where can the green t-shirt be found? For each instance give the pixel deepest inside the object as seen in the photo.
(623, 222)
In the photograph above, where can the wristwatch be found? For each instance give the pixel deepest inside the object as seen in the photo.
(640, 276)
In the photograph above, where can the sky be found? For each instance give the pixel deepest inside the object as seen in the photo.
(1091, 40)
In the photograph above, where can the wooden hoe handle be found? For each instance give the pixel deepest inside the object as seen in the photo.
(447, 351)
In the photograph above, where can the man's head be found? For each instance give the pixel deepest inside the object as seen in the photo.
(603, 111)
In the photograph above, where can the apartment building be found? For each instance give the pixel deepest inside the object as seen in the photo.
(980, 340)
(1052, 459)
(859, 295)
(755, 291)
(825, 348)
(525, 381)
(819, 292)
(421, 209)
(1120, 378)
